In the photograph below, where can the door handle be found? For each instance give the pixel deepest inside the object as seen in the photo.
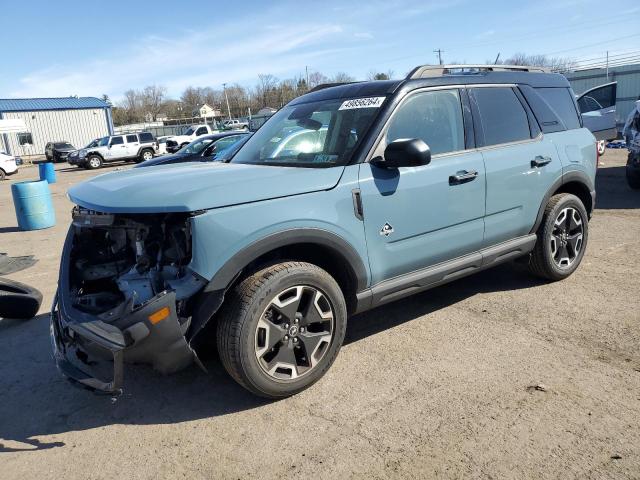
(463, 176)
(540, 161)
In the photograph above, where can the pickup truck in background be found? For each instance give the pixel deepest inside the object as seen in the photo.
(176, 142)
(235, 124)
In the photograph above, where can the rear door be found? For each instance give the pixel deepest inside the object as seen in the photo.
(133, 145)
(521, 164)
(598, 109)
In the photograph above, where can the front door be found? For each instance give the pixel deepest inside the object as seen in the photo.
(415, 217)
(117, 148)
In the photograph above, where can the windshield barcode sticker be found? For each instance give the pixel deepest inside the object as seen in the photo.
(370, 102)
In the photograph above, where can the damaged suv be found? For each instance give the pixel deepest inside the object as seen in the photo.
(349, 197)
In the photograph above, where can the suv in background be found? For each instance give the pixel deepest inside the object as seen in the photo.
(8, 164)
(131, 146)
(58, 151)
(395, 187)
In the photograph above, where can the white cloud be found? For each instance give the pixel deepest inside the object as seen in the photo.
(484, 35)
(363, 35)
(207, 57)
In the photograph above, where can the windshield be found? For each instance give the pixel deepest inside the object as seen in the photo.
(316, 134)
(224, 153)
(94, 143)
(189, 131)
(196, 146)
(103, 142)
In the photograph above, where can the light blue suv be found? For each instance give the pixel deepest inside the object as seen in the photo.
(389, 188)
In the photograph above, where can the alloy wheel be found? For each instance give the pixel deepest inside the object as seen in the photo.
(566, 237)
(294, 332)
(147, 155)
(94, 163)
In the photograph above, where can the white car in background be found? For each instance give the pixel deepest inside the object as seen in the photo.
(162, 144)
(8, 165)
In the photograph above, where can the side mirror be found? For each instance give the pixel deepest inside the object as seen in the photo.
(412, 152)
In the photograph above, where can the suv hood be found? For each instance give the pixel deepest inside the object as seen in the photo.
(197, 186)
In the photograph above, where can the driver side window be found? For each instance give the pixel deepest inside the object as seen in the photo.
(434, 117)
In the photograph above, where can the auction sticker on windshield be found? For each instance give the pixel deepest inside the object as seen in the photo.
(369, 102)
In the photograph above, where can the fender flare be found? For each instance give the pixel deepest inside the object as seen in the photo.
(234, 266)
(572, 176)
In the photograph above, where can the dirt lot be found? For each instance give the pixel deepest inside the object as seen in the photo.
(440, 385)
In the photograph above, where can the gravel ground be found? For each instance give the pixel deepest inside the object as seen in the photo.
(498, 375)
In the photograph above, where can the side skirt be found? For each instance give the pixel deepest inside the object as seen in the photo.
(430, 277)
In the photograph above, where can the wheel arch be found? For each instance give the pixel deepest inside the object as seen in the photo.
(320, 247)
(576, 183)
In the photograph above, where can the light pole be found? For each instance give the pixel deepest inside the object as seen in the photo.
(224, 88)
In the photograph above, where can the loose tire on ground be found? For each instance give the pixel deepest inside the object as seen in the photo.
(18, 300)
(248, 304)
(549, 262)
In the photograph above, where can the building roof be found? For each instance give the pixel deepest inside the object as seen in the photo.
(64, 103)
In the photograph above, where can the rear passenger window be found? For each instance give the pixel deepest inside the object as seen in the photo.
(117, 141)
(132, 138)
(503, 117)
(434, 117)
(561, 102)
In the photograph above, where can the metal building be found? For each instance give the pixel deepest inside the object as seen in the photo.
(77, 120)
(628, 78)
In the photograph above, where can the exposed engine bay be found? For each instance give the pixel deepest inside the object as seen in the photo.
(127, 259)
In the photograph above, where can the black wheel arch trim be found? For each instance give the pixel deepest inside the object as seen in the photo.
(236, 264)
(569, 177)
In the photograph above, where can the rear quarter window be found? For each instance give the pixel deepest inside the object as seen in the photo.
(561, 102)
(146, 137)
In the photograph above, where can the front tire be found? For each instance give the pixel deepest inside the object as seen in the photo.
(93, 162)
(562, 238)
(281, 328)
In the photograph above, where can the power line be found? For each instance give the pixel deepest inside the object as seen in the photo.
(592, 44)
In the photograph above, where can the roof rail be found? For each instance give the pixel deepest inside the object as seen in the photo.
(322, 86)
(425, 71)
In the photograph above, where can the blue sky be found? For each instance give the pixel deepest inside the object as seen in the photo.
(60, 48)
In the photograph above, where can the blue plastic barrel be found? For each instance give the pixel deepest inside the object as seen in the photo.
(34, 208)
(47, 172)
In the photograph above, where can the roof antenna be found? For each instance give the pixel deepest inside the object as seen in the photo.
(497, 58)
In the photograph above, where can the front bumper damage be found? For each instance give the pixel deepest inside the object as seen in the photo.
(140, 336)
(124, 297)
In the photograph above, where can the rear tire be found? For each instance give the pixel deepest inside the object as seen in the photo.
(633, 173)
(146, 154)
(562, 238)
(2, 175)
(281, 328)
(93, 162)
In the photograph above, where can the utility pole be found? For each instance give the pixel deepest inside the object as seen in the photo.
(607, 65)
(306, 69)
(439, 52)
(224, 87)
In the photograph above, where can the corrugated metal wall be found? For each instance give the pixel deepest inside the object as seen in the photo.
(628, 78)
(78, 127)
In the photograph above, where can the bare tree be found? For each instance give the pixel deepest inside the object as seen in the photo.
(191, 98)
(560, 64)
(317, 78)
(342, 77)
(152, 97)
(373, 75)
(266, 90)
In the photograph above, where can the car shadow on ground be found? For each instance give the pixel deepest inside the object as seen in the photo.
(37, 401)
(613, 192)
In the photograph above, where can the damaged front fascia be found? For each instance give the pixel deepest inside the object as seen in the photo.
(166, 345)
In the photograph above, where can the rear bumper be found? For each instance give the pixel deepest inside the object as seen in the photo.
(85, 350)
